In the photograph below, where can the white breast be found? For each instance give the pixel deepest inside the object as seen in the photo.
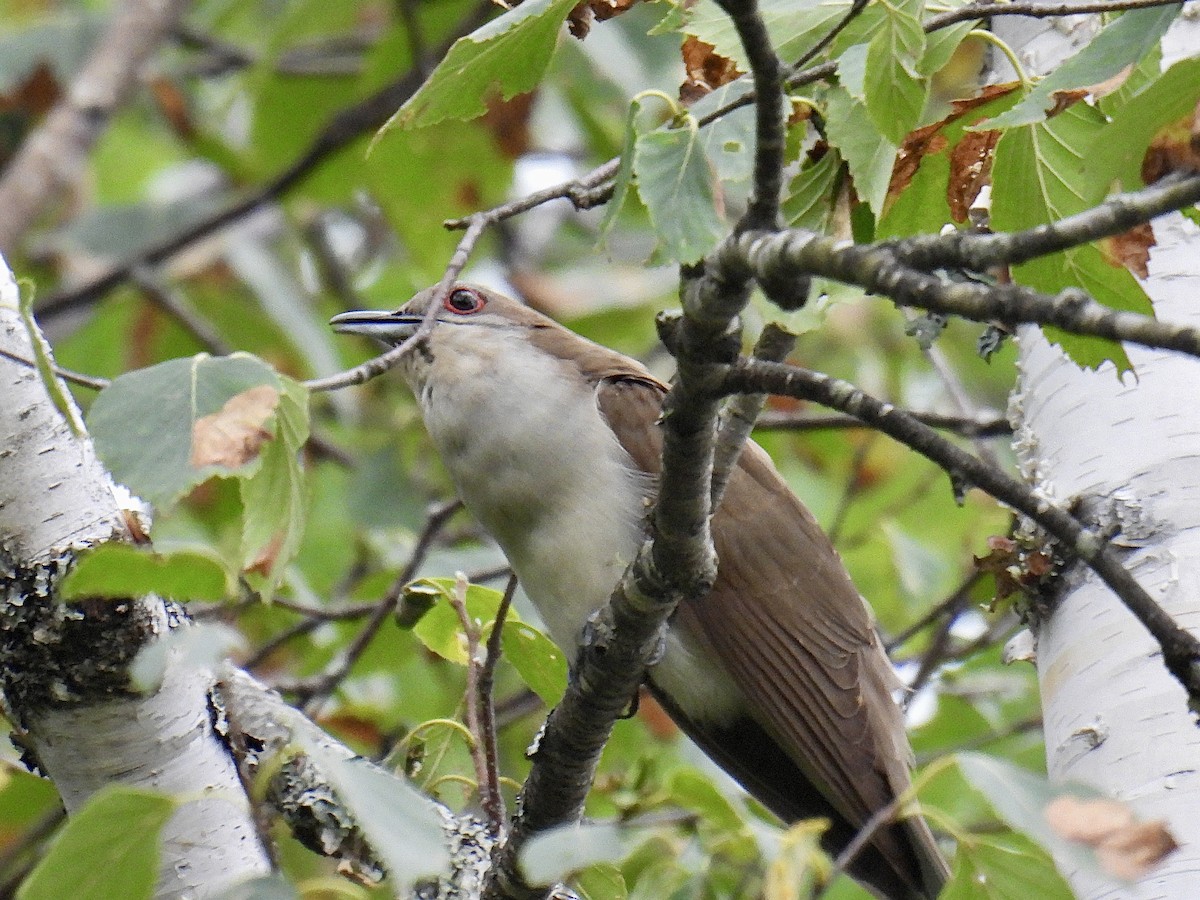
(535, 462)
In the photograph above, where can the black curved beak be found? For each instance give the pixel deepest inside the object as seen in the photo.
(389, 327)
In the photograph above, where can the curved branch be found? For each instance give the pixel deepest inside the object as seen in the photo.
(1181, 650)
(1117, 214)
(987, 10)
(878, 270)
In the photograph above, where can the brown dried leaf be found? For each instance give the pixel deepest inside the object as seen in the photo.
(1061, 100)
(233, 435)
(1176, 148)
(1136, 850)
(579, 21)
(929, 140)
(508, 122)
(706, 69)
(970, 169)
(34, 95)
(264, 562)
(919, 144)
(1130, 249)
(172, 103)
(1125, 847)
(607, 9)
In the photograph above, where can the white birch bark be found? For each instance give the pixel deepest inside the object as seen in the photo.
(1113, 716)
(55, 497)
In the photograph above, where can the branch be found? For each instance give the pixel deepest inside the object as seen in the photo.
(877, 270)
(344, 128)
(769, 122)
(985, 426)
(54, 155)
(1035, 10)
(1181, 650)
(981, 251)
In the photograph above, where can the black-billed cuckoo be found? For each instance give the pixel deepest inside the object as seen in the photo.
(553, 443)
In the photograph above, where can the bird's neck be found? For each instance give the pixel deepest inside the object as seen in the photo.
(532, 458)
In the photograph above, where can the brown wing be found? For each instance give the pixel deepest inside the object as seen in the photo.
(817, 680)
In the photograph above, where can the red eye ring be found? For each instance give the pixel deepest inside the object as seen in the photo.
(464, 301)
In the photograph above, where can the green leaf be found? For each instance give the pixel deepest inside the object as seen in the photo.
(1119, 45)
(537, 659)
(729, 141)
(1169, 98)
(275, 498)
(941, 44)
(116, 570)
(552, 855)
(795, 26)
(694, 791)
(624, 176)
(810, 195)
(869, 155)
(402, 825)
(894, 91)
(440, 630)
(601, 882)
(1020, 798)
(109, 848)
(675, 181)
(923, 206)
(146, 424)
(1039, 176)
(505, 57)
(991, 869)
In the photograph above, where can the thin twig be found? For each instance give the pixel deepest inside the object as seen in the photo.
(488, 788)
(949, 608)
(160, 294)
(316, 690)
(877, 269)
(491, 798)
(985, 426)
(91, 382)
(1035, 10)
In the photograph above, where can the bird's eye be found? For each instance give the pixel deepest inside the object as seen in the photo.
(464, 301)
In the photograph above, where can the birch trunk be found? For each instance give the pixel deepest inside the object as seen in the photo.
(1130, 450)
(64, 669)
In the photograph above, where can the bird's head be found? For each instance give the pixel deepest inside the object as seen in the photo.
(463, 305)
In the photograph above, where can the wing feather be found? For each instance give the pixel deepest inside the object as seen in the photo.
(817, 679)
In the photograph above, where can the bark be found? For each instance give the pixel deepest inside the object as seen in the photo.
(64, 669)
(1128, 451)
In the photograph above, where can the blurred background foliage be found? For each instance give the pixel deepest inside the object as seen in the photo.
(239, 95)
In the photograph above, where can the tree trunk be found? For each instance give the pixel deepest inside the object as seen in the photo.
(65, 668)
(1128, 450)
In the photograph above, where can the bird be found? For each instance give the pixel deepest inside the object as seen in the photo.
(553, 443)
